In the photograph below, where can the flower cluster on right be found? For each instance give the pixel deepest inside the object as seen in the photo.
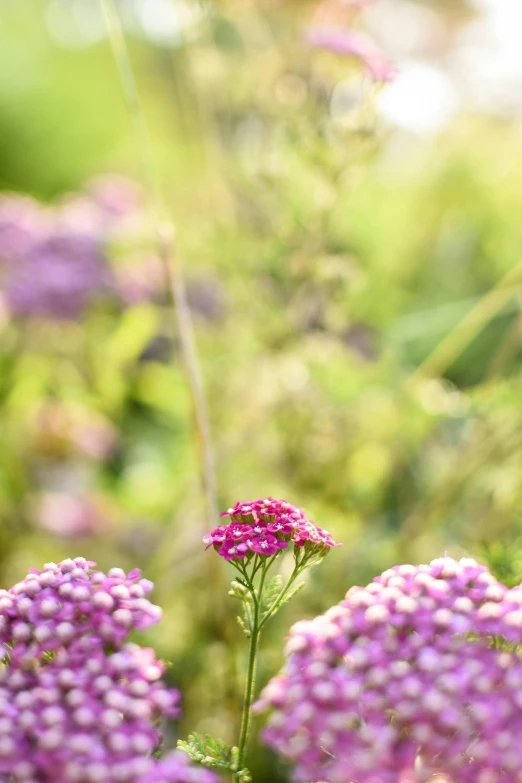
(417, 674)
(264, 527)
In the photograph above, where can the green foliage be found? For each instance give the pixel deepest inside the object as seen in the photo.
(215, 754)
(272, 589)
(505, 560)
(290, 594)
(240, 591)
(209, 752)
(274, 597)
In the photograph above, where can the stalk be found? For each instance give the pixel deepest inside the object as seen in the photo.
(164, 231)
(256, 628)
(249, 689)
(277, 603)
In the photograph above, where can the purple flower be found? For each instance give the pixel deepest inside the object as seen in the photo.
(266, 526)
(58, 275)
(176, 768)
(353, 43)
(69, 516)
(21, 219)
(417, 674)
(283, 526)
(216, 537)
(78, 702)
(232, 550)
(239, 531)
(267, 544)
(54, 260)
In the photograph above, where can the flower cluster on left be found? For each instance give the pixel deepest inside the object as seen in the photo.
(55, 261)
(78, 702)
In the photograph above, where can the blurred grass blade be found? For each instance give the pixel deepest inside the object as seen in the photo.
(469, 327)
(171, 265)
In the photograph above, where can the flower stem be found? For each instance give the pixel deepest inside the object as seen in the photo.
(257, 597)
(164, 230)
(249, 688)
(277, 603)
(256, 626)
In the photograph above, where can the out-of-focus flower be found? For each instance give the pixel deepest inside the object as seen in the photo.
(139, 278)
(115, 196)
(54, 260)
(57, 276)
(20, 219)
(265, 526)
(60, 429)
(353, 43)
(69, 516)
(418, 674)
(78, 702)
(177, 768)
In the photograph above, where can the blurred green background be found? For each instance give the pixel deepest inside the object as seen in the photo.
(350, 255)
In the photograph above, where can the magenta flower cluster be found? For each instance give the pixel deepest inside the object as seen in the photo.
(264, 527)
(78, 702)
(417, 674)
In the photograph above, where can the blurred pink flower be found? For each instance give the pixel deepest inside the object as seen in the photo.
(69, 516)
(139, 279)
(115, 195)
(353, 43)
(60, 429)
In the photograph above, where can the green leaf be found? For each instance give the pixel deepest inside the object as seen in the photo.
(210, 752)
(295, 589)
(271, 591)
(136, 327)
(290, 594)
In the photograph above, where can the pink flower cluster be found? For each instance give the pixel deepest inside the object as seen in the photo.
(264, 527)
(78, 703)
(417, 674)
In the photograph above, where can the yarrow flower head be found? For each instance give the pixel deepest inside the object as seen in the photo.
(264, 527)
(78, 702)
(417, 674)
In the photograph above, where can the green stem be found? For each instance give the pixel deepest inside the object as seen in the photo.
(251, 676)
(256, 626)
(277, 603)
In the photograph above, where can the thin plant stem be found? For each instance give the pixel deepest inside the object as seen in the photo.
(251, 672)
(164, 231)
(256, 625)
(249, 690)
(298, 569)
